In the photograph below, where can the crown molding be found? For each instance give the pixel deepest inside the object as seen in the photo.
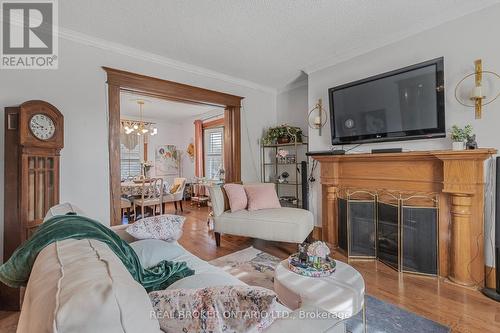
(383, 42)
(103, 44)
(293, 86)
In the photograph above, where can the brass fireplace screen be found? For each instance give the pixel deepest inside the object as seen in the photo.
(398, 229)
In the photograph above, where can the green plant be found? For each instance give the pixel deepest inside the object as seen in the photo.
(283, 131)
(461, 134)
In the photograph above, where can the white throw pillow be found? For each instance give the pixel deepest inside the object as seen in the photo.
(216, 309)
(152, 251)
(165, 227)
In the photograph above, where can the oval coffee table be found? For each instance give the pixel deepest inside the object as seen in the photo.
(342, 293)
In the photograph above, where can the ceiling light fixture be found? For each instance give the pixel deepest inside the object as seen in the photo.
(139, 127)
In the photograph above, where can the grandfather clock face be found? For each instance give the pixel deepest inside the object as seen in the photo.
(42, 126)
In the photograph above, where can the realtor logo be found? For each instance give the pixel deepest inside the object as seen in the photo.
(29, 35)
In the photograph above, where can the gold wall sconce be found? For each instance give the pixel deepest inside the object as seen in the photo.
(316, 118)
(477, 95)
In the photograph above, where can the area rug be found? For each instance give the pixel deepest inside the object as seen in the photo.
(256, 268)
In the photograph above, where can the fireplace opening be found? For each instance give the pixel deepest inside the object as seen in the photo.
(397, 229)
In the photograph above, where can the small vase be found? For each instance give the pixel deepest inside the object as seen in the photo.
(458, 145)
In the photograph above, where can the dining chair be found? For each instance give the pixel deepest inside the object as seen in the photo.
(125, 204)
(178, 194)
(151, 196)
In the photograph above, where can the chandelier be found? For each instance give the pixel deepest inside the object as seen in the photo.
(139, 127)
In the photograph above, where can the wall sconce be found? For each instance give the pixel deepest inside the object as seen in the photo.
(317, 118)
(477, 96)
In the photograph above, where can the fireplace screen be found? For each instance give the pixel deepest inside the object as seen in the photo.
(400, 232)
(388, 234)
(419, 239)
(356, 227)
(361, 228)
(342, 224)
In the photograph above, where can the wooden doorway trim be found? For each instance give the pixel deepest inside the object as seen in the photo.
(119, 81)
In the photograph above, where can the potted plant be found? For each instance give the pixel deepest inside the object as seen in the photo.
(282, 134)
(459, 136)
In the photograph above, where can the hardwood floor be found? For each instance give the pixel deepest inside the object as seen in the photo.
(462, 309)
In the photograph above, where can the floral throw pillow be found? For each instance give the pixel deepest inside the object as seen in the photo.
(228, 309)
(165, 227)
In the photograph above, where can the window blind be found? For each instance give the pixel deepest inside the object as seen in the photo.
(130, 161)
(213, 151)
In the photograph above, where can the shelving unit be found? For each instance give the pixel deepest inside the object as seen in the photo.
(272, 168)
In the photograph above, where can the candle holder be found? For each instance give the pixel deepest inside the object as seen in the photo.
(317, 117)
(477, 95)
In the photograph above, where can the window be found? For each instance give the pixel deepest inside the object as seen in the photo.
(213, 149)
(130, 161)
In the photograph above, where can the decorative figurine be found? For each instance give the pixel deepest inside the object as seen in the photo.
(284, 176)
(318, 252)
(303, 253)
(471, 142)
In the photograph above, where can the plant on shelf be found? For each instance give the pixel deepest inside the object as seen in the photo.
(460, 135)
(282, 134)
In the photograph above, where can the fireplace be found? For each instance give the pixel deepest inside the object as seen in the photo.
(457, 179)
(398, 229)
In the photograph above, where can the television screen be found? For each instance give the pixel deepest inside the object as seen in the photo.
(404, 104)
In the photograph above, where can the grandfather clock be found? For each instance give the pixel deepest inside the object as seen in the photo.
(33, 141)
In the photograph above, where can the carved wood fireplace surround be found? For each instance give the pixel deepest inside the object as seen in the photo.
(457, 177)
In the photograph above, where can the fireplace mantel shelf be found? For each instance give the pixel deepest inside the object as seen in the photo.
(458, 178)
(468, 154)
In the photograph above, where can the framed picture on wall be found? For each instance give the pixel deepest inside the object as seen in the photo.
(166, 160)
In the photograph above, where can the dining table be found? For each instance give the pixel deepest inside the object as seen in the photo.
(130, 188)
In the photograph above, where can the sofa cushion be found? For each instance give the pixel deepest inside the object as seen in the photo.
(205, 280)
(165, 227)
(262, 196)
(284, 224)
(82, 286)
(237, 197)
(216, 309)
(121, 230)
(151, 251)
(63, 209)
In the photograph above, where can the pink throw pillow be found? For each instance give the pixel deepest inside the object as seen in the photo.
(237, 197)
(262, 196)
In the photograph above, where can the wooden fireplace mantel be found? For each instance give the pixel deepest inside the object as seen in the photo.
(456, 176)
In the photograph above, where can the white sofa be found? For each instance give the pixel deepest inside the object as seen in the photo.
(284, 224)
(82, 286)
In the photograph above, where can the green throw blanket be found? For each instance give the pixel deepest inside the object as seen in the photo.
(16, 271)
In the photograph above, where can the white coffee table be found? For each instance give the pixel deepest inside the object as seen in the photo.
(342, 293)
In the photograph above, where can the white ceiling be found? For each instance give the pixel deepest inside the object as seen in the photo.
(267, 42)
(156, 109)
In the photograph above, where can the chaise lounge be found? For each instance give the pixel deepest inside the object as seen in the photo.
(284, 224)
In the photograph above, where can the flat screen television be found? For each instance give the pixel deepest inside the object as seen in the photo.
(404, 104)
